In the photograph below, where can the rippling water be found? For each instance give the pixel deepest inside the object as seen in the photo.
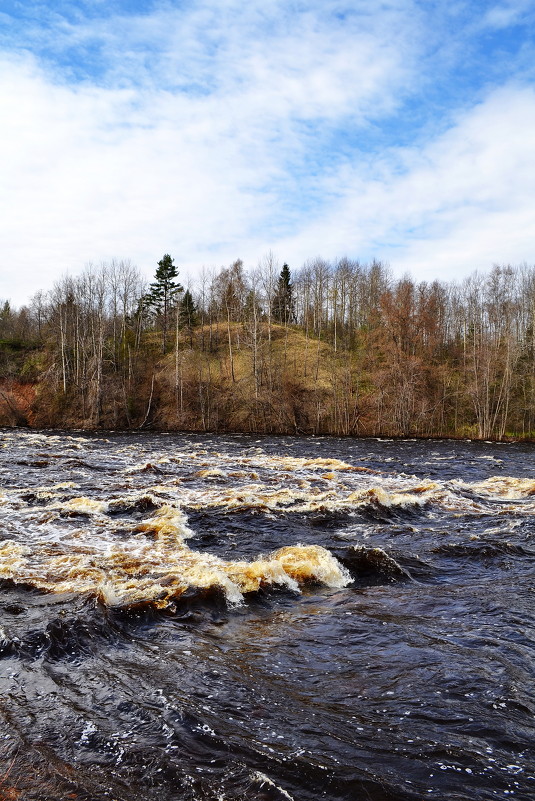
(229, 618)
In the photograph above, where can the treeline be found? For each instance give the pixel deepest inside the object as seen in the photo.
(332, 348)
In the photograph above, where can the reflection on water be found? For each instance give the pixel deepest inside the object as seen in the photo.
(196, 617)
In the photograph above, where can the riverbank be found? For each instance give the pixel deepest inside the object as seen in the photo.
(284, 381)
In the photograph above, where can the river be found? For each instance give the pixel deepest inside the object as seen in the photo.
(235, 618)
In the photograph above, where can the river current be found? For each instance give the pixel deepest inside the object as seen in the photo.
(234, 618)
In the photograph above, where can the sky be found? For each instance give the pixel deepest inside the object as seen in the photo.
(401, 130)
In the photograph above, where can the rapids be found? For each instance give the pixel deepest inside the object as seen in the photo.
(232, 618)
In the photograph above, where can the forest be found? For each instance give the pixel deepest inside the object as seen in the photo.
(339, 348)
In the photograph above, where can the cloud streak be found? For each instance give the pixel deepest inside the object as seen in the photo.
(214, 131)
(460, 203)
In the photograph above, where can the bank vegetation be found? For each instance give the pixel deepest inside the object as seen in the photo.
(333, 348)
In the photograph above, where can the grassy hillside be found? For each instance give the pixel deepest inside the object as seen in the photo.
(219, 378)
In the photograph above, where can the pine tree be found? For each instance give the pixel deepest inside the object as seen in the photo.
(162, 293)
(282, 307)
(188, 314)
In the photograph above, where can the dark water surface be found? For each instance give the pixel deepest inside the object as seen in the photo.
(211, 618)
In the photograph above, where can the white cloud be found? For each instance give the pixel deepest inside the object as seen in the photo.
(502, 15)
(138, 167)
(463, 202)
(81, 182)
(205, 133)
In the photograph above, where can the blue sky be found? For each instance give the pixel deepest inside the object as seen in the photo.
(398, 129)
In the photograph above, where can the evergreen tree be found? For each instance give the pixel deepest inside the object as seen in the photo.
(188, 314)
(162, 293)
(282, 307)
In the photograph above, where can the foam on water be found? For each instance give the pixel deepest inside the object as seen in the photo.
(506, 487)
(146, 654)
(154, 565)
(132, 547)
